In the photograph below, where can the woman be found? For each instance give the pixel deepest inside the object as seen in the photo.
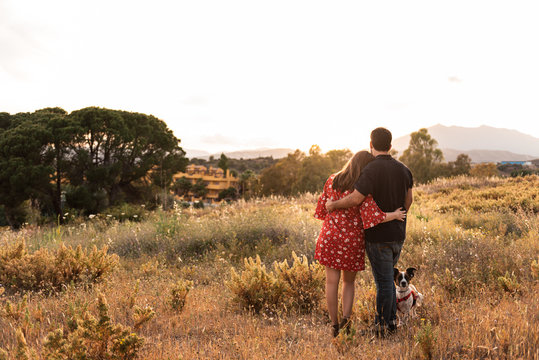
(341, 243)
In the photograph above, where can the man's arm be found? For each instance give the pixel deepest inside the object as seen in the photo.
(346, 202)
(409, 199)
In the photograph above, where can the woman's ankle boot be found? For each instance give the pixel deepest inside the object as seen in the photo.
(335, 330)
(345, 324)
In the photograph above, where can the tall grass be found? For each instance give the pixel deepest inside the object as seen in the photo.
(474, 241)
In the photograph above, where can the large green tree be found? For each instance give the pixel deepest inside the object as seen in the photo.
(223, 163)
(281, 177)
(313, 172)
(116, 150)
(298, 173)
(200, 189)
(61, 129)
(422, 156)
(98, 156)
(24, 173)
(5, 120)
(339, 158)
(247, 183)
(182, 186)
(462, 165)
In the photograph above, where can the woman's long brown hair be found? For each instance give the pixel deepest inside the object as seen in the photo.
(347, 177)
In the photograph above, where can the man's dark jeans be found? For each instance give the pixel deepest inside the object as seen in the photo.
(383, 258)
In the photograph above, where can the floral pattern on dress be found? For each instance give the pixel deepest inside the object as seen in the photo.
(341, 242)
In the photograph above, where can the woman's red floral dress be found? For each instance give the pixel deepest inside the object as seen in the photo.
(341, 243)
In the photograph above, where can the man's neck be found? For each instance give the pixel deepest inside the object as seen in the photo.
(375, 152)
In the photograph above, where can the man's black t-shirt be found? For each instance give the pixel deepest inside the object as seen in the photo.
(388, 180)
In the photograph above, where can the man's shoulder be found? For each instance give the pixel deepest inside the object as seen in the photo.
(405, 171)
(400, 164)
(391, 164)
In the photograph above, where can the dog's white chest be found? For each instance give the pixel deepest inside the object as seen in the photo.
(404, 304)
(406, 299)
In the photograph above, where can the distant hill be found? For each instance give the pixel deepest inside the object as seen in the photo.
(190, 153)
(479, 156)
(243, 154)
(482, 144)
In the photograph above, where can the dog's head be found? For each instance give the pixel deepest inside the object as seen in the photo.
(403, 278)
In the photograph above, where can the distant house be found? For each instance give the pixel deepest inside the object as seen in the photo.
(215, 178)
(523, 163)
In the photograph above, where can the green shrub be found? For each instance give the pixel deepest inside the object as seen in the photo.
(255, 288)
(426, 338)
(303, 283)
(125, 212)
(18, 215)
(366, 302)
(142, 315)
(287, 288)
(49, 271)
(22, 352)
(534, 269)
(85, 199)
(93, 339)
(198, 205)
(178, 294)
(15, 311)
(509, 283)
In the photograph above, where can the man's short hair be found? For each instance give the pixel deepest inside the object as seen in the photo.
(381, 139)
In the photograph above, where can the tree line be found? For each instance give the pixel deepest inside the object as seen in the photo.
(236, 166)
(300, 172)
(87, 160)
(94, 158)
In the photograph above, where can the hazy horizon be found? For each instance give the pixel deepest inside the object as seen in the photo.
(356, 148)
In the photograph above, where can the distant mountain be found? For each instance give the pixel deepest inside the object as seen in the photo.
(243, 154)
(479, 156)
(190, 153)
(482, 144)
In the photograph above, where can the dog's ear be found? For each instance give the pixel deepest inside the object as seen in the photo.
(411, 271)
(395, 272)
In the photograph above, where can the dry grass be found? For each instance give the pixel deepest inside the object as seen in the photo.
(477, 270)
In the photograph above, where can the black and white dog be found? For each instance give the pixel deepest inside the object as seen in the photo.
(407, 295)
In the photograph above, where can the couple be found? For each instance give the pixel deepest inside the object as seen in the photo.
(356, 208)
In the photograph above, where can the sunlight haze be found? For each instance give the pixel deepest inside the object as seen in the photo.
(232, 75)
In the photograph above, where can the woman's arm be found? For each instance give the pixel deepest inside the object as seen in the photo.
(320, 211)
(372, 215)
(350, 200)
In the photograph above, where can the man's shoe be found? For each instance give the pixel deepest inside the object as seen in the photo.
(391, 330)
(378, 331)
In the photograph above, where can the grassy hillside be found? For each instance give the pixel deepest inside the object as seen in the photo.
(163, 288)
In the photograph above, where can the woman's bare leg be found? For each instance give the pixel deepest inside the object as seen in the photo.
(332, 293)
(348, 289)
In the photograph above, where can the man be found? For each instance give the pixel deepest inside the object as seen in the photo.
(390, 183)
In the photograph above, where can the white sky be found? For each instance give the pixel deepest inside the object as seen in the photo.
(229, 75)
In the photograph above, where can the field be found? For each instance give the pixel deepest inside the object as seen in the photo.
(175, 285)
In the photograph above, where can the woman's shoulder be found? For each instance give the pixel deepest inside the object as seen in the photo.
(330, 179)
(328, 186)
